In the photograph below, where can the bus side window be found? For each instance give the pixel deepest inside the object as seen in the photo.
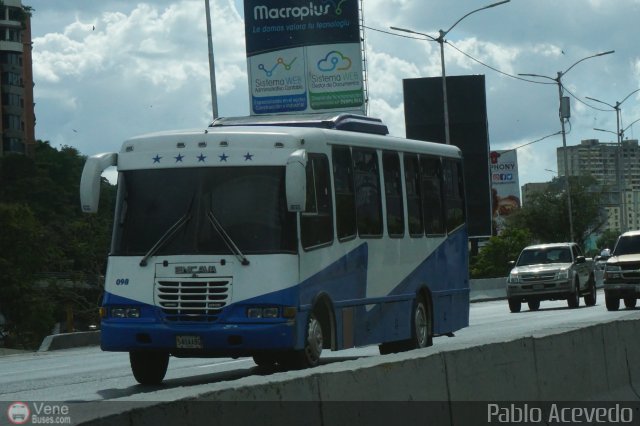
(414, 202)
(345, 195)
(368, 196)
(431, 174)
(454, 194)
(393, 194)
(316, 222)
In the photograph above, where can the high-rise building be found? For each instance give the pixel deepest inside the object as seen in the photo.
(16, 81)
(617, 169)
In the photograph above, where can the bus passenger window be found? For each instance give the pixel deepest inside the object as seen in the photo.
(454, 194)
(345, 195)
(316, 222)
(414, 202)
(431, 174)
(393, 194)
(368, 197)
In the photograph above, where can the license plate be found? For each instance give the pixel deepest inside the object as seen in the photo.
(538, 286)
(188, 342)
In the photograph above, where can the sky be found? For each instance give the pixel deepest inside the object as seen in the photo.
(108, 70)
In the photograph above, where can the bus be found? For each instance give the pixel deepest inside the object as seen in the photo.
(279, 237)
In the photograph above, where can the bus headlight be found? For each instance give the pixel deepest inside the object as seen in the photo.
(269, 312)
(125, 312)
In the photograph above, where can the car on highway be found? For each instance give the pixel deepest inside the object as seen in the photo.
(557, 271)
(622, 272)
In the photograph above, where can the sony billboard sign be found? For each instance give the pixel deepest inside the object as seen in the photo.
(505, 187)
(303, 56)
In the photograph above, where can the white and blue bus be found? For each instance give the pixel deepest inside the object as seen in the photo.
(278, 237)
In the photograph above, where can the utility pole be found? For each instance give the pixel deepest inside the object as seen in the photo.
(212, 67)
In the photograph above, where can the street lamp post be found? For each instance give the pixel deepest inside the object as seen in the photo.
(440, 40)
(562, 117)
(212, 66)
(620, 177)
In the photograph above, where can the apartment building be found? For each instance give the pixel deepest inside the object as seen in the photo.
(615, 167)
(16, 81)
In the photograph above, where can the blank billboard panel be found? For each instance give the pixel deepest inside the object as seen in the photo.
(468, 130)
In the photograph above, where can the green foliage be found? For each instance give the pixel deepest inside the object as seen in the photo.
(546, 214)
(493, 259)
(544, 219)
(44, 233)
(607, 239)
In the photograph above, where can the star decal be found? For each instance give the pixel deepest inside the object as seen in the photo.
(179, 158)
(223, 157)
(156, 159)
(201, 158)
(248, 157)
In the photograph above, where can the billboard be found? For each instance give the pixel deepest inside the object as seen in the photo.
(303, 56)
(468, 130)
(505, 187)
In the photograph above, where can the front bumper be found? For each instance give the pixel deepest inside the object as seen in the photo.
(622, 290)
(547, 290)
(225, 340)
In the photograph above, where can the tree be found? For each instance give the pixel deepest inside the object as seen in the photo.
(607, 239)
(546, 217)
(493, 259)
(44, 233)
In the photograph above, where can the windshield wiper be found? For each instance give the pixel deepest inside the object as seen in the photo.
(233, 248)
(167, 236)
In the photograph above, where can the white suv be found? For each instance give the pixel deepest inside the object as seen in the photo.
(622, 272)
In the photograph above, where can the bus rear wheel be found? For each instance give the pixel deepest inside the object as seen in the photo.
(149, 368)
(421, 331)
(309, 356)
(422, 335)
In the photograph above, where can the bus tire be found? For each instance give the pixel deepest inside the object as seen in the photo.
(309, 356)
(421, 328)
(149, 368)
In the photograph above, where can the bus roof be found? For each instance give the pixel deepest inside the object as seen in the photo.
(348, 122)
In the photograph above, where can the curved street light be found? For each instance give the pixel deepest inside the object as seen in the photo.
(619, 134)
(558, 80)
(440, 40)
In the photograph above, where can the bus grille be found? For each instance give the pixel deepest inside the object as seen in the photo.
(192, 301)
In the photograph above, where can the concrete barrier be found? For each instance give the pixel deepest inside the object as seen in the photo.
(70, 340)
(594, 363)
(486, 289)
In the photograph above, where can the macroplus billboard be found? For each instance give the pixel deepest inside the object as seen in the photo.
(505, 187)
(303, 56)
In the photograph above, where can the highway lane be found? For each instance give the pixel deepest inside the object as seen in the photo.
(88, 374)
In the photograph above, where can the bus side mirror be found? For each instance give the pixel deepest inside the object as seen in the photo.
(90, 180)
(296, 181)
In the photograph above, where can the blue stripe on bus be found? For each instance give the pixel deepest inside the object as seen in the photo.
(345, 282)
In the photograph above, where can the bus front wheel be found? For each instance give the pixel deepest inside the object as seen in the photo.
(149, 368)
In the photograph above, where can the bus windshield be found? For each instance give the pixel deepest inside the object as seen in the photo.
(248, 202)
